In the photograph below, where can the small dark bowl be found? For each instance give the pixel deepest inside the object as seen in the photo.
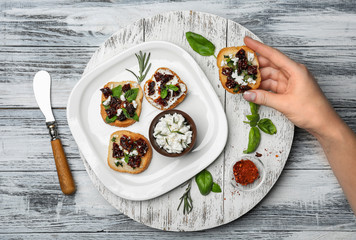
(154, 122)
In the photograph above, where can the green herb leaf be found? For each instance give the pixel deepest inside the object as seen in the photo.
(118, 163)
(178, 132)
(164, 92)
(117, 91)
(254, 108)
(143, 60)
(135, 117)
(216, 188)
(110, 120)
(172, 87)
(186, 198)
(131, 94)
(200, 44)
(127, 115)
(267, 126)
(254, 139)
(126, 159)
(113, 139)
(254, 118)
(204, 180)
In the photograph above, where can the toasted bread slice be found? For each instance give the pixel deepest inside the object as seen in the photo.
(153, 94)
(119, 164)
(241, 85)
(128, 121)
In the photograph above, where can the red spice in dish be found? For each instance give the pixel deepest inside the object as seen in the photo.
(245, 172)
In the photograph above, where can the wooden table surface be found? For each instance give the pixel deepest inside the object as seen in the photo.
(61, 36)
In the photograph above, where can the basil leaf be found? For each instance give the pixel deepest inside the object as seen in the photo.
(164, 92)
(110, 120)
(127, 115)
(254, 118)
(135, 117)
(113, 139)
(254, 108)
(267, 126)
(200, 44)
(131, 94)
(204, 180)
(254, 139)
(118, 163)
(172, 87)
(216, 188)
(126, 159)
(117, 91)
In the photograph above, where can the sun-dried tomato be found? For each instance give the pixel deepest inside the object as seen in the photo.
(141, 147)
(116, 151)
(106, 91)
(111, 112)
(126, 87)
(134, 161)
(126, 142)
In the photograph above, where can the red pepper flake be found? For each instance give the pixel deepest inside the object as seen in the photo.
(245, 172)
(277, 156)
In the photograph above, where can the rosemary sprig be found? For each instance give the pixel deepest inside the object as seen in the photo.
(186, 198)
(142, 65)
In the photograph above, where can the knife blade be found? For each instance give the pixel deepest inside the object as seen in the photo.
(42, 90)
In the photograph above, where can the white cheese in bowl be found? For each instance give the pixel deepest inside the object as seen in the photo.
(173, 133)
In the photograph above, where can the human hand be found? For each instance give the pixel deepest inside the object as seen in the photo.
(289, 87)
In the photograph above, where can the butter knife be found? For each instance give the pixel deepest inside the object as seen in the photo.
(42, 90)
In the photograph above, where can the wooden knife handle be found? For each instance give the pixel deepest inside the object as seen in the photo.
(64, 175)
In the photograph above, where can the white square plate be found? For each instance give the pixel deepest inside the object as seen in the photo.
(92, 134)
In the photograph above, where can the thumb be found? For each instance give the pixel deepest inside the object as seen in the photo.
(263, 97)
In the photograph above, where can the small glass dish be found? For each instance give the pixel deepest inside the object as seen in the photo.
(257, 183)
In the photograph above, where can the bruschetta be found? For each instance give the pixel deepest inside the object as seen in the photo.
(165, 90)
(121, 103)
(129, 152)
(238, 69)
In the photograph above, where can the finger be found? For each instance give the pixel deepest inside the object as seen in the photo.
(266, 98)
(269, 85)
(275, 56)
(264, 62)
(271, 73)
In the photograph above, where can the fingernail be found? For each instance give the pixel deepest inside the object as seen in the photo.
(249, 96)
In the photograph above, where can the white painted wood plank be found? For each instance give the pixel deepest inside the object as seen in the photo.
(59, 23)
(207, 211)
(332, 66)
(28, 148)
(291, 235)
(31, 202)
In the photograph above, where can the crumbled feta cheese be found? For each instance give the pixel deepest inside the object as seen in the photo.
(107, 101)
(250, 80)
(250, 56)
(234, 75)
(125, 151)
(235, 60)
(240, 80)
(230, 55)
(134, 103)
(119, 111)
(122, 97)
(134, 153)
(223, 63)
(111, 86)
(174, 81)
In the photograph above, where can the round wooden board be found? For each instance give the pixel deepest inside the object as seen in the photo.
(217, 208)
